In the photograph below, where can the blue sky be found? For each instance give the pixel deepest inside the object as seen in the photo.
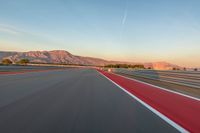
(127, 30)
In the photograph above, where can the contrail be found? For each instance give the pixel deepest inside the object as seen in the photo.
(125, 16)
(123, 20)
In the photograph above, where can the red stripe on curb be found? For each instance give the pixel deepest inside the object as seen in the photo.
(180, 109)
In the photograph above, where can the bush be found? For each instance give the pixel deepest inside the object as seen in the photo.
(6, 61)
(175, 68)
(125, 66)
(23, 61)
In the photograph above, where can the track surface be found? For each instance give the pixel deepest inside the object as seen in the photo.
(71, 101)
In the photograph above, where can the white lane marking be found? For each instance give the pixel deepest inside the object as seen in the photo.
(194, 98)
(175, 125)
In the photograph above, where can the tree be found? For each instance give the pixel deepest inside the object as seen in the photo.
(6, 61)
(125, 66)
(184, 69)
(139, 66)
(195, 69)
(23, 61)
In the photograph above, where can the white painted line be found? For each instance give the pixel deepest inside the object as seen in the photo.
(194, 98)
(175, 125)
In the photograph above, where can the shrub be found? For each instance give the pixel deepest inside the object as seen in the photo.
(23, 61)
(125, 66)
(6, 61)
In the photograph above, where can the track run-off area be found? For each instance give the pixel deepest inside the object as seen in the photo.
(75, 100)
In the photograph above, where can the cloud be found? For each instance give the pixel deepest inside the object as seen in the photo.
(18, 36)
(10, 30)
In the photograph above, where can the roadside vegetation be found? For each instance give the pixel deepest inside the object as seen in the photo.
(139, 66)
(9, 62)
(6, 62)
(125, 66)
(175, 68)
(23, 62)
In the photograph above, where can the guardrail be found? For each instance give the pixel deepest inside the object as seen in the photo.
(186, 78)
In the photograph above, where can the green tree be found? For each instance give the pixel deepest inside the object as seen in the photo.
(139, 66)
(124, 66)
(6, 61)
(23, 61)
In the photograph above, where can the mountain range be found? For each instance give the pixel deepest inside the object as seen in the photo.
(64, 57)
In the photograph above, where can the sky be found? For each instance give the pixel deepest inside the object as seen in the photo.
(125, 30)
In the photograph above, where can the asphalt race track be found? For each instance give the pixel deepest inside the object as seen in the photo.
(71, 101)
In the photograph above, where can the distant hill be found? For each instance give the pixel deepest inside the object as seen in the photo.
(55, 56)
(64, 57)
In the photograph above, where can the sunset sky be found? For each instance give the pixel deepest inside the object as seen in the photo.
(126, 30)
